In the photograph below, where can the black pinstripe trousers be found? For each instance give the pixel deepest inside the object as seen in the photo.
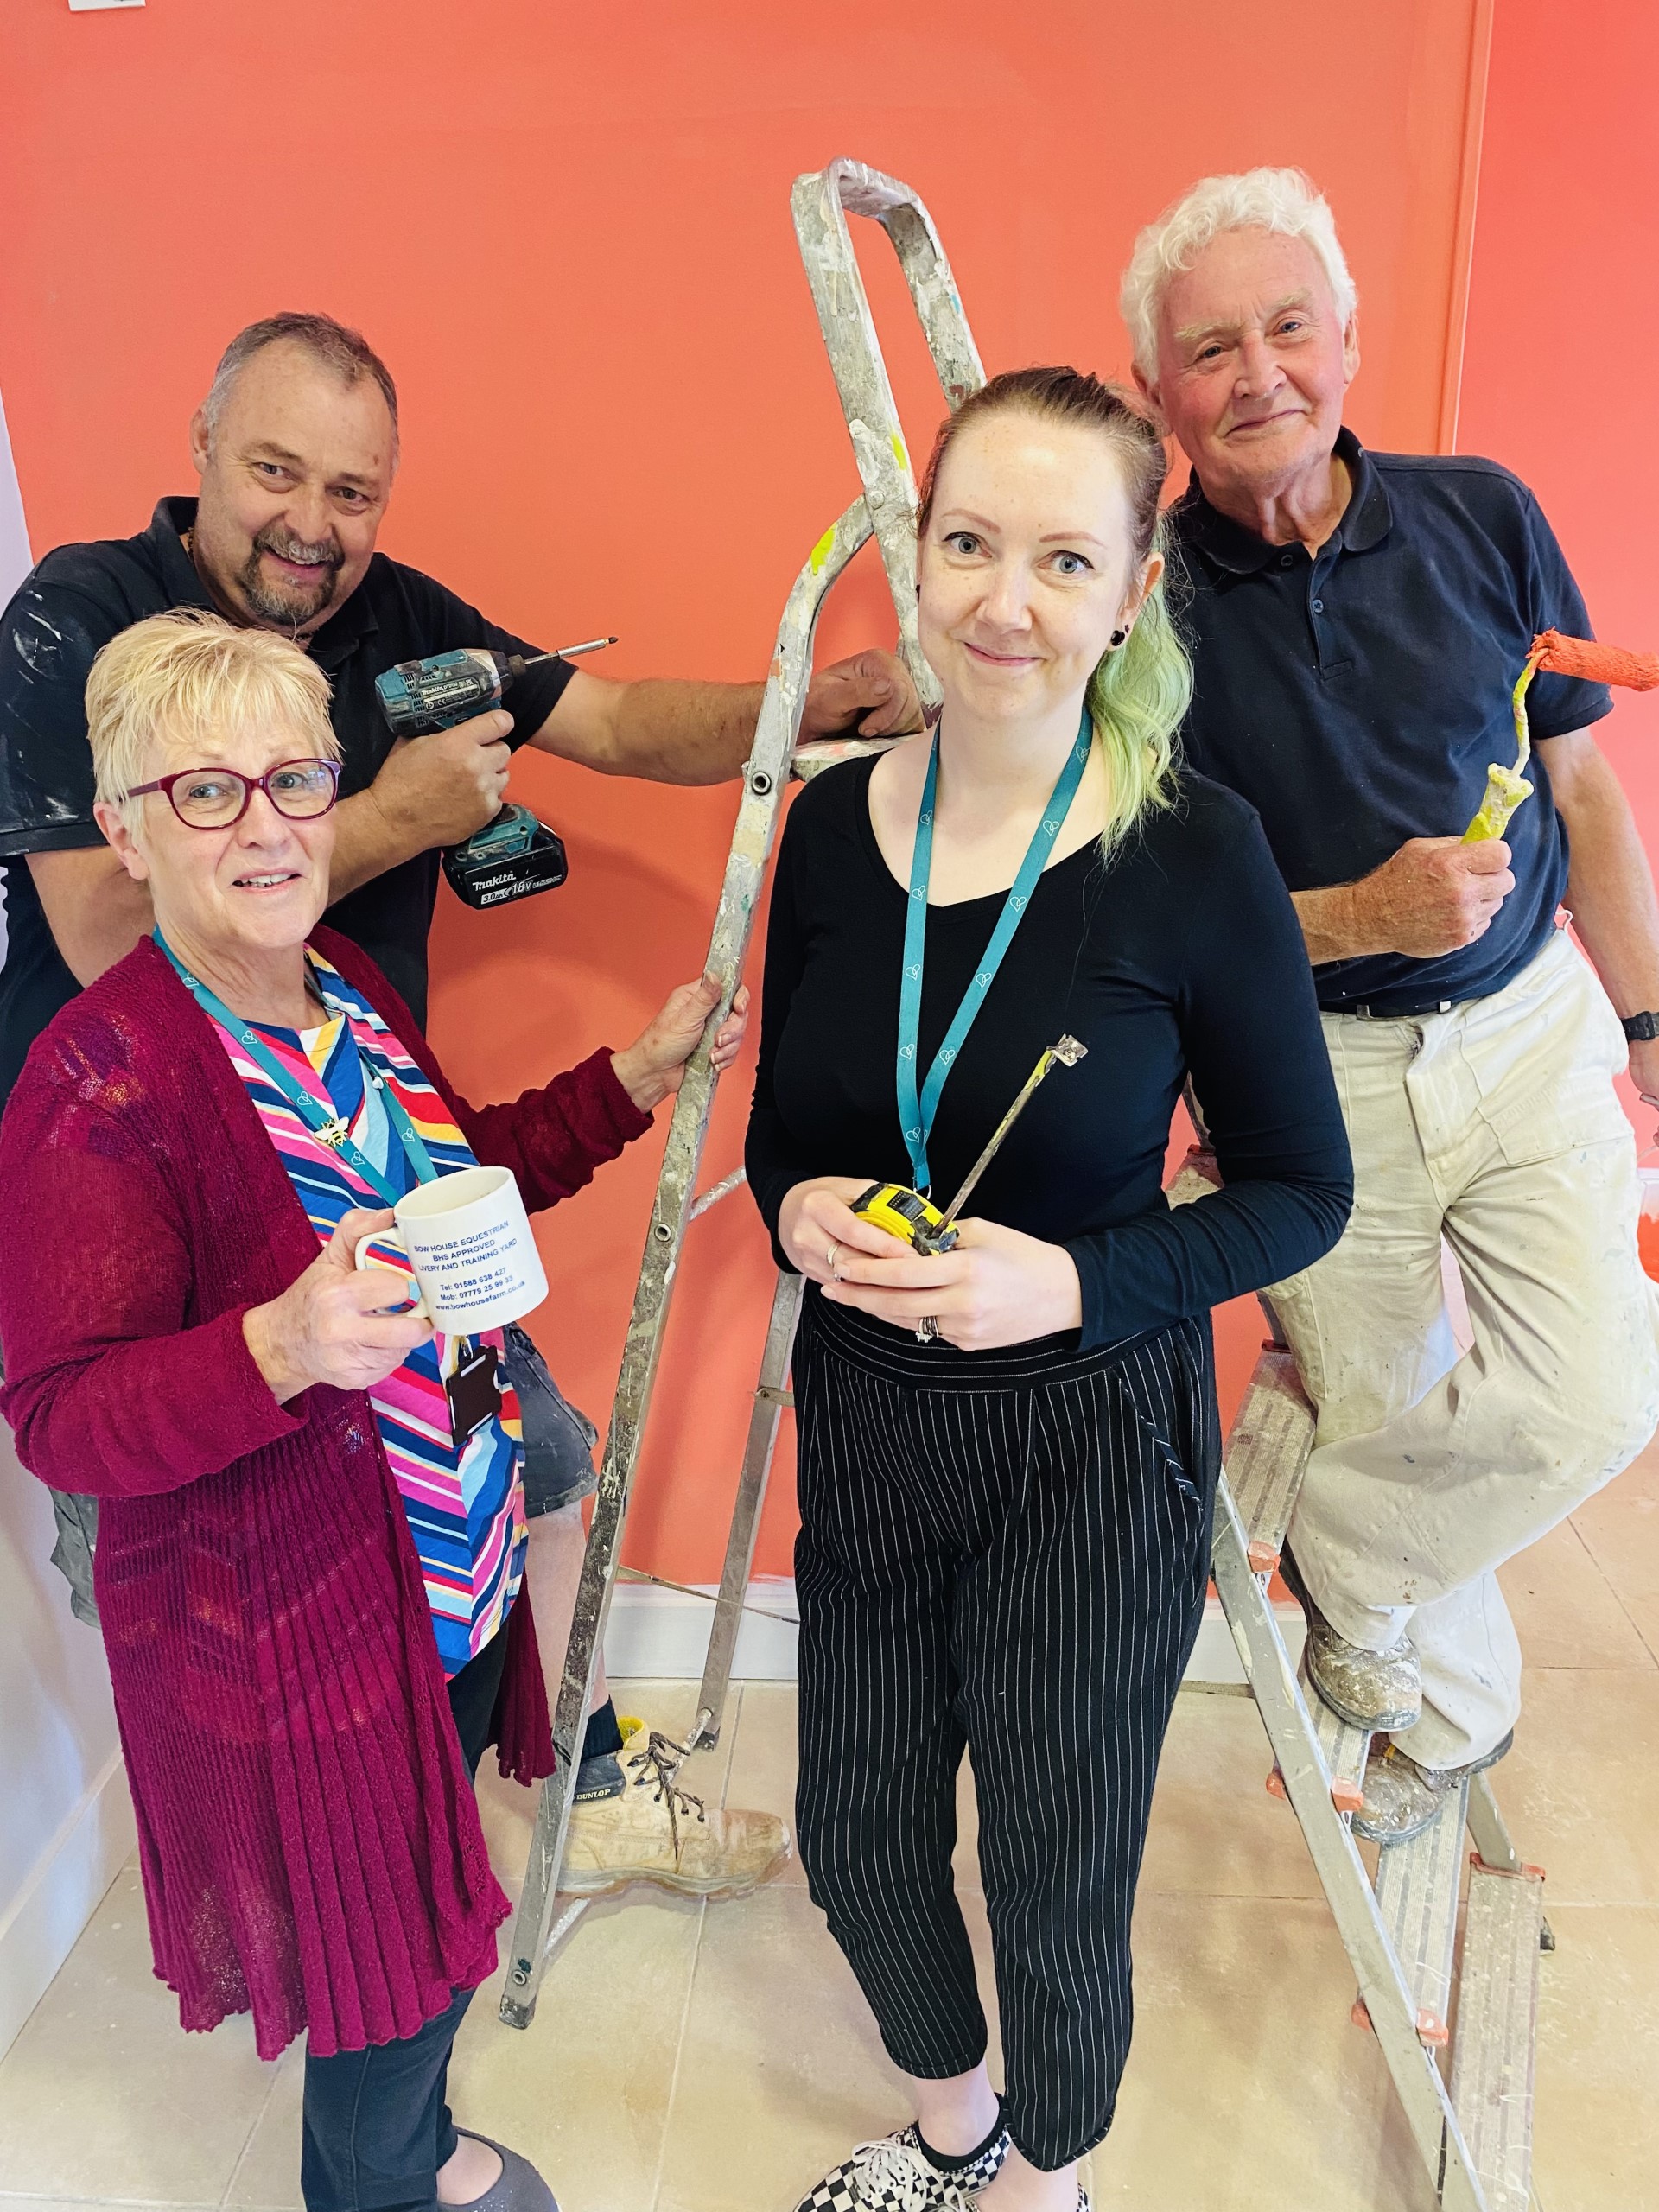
(1005, 1552)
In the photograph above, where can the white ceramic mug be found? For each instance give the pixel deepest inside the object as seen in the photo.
(465, 1240)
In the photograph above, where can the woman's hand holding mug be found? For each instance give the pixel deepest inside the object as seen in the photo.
(653, 1067)
(996, 1286)
(331, 1324)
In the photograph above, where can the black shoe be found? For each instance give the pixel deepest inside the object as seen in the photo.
(899, 2174)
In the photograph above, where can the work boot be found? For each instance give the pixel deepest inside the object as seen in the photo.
(899, 2173)
(1403, 1799)
(1378, 1690)
(632, 1822)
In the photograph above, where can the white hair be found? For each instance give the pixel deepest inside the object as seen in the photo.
(1284, 201)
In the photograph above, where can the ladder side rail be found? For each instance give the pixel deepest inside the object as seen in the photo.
(1489, 1830)
(770, 1398)
(1390, 2002)
(766, 779)
(903, 215)
(820, 202)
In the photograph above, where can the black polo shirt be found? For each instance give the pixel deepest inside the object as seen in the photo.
(78, 598)
(1354, 698)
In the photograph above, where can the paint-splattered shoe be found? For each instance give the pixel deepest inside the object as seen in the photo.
(1403, 1799)
(1378, 1690)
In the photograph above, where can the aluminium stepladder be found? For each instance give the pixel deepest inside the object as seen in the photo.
(1473, 2134)
(889, 505)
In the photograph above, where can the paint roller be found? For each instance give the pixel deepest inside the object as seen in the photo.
(1559, 656)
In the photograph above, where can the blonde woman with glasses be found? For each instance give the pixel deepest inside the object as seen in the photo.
(312, 1545)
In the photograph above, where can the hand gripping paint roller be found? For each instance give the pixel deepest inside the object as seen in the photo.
(1507, 787)
(515, 855)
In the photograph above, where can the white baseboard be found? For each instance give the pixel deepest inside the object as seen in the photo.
(661, 1635)
(40, 1926)
(1215, 1656)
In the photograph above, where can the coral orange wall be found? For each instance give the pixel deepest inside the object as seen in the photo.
(1559, 374)
(568, 230)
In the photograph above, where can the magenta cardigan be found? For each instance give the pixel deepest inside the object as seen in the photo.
(310, 1842)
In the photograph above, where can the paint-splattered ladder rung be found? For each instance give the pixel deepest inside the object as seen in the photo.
(1417, 1886)
(1343, 1747)
(809, 760)
(1267, 1454)
(1498, 2031)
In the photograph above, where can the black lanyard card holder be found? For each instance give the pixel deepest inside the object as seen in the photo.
(473, 1394)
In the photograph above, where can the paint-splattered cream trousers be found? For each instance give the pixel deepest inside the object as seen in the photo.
(1494, 1125)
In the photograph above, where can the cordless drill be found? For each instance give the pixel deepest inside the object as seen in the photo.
(515, 855)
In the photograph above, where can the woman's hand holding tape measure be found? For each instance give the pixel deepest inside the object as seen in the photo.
(997, 1286)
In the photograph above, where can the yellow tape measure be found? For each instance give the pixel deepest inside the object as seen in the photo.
(916, 1221)
(908, 1216)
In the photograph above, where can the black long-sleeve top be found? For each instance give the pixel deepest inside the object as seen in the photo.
(1183, 954)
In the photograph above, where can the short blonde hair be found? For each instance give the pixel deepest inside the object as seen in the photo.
(1286, 201)
(176, 679)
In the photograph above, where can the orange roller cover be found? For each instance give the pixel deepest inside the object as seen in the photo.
(1600, 663)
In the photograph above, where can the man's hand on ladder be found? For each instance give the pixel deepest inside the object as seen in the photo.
(871, 693)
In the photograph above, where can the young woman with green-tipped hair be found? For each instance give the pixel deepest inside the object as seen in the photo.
(1009, 1449)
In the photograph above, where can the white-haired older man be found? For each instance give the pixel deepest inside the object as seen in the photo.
(1359, 620)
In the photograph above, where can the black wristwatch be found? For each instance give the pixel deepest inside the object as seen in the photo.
(1640, 1028)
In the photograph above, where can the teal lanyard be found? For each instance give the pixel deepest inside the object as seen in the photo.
(330, 1128)
(916, 1112)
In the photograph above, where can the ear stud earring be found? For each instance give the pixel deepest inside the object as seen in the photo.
(1117, 638)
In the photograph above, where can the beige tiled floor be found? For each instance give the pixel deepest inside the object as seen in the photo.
(686, 2058)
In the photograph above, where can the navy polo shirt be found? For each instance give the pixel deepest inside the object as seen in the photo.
(79, 597)
(1355, 698)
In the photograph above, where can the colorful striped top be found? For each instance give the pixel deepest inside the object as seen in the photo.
(466, 1504)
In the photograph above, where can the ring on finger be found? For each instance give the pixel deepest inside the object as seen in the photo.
(927, 1329)
(830, 1257)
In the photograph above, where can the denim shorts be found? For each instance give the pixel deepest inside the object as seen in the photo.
(559, 1439)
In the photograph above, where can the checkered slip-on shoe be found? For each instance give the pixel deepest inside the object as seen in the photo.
(896, 2175)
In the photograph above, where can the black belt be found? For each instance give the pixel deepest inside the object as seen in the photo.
(1392, 1012)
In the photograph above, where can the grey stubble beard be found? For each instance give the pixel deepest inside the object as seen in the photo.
(279, 608)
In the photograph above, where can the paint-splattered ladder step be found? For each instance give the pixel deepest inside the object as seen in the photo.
(1417, 1886)
(1343, 1748)
(1498, 2030)
(1267, 1454)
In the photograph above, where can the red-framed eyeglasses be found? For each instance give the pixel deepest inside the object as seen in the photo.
(215, 798)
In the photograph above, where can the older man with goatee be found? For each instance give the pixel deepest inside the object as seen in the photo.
(1358, 621)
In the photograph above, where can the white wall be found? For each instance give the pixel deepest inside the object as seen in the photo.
(66, 1823)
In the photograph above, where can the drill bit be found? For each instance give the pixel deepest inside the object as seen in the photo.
(567, 652)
